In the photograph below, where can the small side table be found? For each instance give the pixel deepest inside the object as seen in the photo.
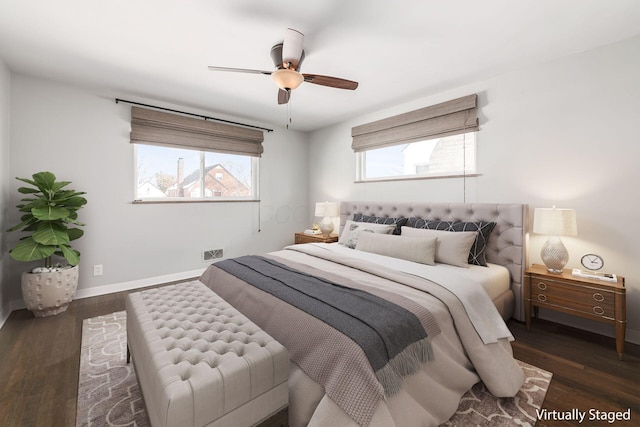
(589, 298)
(314, 238)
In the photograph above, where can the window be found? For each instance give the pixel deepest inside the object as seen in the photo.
(179, 158)
(176, 174)
(438, 157)
(434, 141)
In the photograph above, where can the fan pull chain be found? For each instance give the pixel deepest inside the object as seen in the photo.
(288, 113)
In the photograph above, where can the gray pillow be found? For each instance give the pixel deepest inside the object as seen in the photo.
(416, 249)
(398, 222)
(352, 230)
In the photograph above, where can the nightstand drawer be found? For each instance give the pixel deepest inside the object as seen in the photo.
(303, 239)
(582, 298)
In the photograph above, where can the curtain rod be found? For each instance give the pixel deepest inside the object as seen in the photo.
(192, 114)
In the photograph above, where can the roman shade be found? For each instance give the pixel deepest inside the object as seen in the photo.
(173, 130)
(448, 118)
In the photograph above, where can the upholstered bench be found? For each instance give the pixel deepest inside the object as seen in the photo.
(200, 362)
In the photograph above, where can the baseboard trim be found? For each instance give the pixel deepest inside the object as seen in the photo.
(135, 284)
(5, 316)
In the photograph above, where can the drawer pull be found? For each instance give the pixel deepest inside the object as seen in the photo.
(598, 310)
(598, 297)
(542, 298)
(542, 286)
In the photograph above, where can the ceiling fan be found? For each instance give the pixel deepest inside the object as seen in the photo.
(287, 58)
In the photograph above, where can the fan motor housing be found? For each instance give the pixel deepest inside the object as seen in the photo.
(276, 57)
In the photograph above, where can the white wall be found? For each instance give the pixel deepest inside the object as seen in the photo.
(563, 133)
(83, 136)
(5, 89)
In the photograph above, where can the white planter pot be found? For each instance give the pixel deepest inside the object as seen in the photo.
(46, 294)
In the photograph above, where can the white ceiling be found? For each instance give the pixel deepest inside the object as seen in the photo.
(397, 51)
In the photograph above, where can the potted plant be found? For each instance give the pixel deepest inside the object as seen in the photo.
(50, 218)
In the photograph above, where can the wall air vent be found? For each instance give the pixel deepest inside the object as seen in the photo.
(211, 254)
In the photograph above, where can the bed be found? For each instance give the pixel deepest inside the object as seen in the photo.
(450, 318)
(506, 245)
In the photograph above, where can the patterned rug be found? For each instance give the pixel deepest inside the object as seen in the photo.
(478, 407)
(108, 393)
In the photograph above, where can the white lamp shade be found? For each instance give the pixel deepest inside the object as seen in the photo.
(287, 79)
(555, 222)
(327, 209)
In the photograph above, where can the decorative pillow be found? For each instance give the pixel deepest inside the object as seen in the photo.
(477, 254)
(399, 222)
(416, 249)
(451, 248)
(351, 230)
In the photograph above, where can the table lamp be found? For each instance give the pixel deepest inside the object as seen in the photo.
(555, 223)
(327, 210)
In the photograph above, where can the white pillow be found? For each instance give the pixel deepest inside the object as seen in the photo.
(351, 230)
(416, 249)
(452, 247)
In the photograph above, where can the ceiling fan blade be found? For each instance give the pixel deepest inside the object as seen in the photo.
(330, 81)
(283, 96)
(240, 70)
(292, 48)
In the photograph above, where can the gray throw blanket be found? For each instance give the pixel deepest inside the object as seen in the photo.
(392, 337)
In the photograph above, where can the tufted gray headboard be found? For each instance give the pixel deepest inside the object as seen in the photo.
(507, 242)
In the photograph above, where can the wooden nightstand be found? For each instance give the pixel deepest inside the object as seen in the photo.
(314, 238)
(589, 298)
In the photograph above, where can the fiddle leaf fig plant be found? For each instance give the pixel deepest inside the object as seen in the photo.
(50, 215)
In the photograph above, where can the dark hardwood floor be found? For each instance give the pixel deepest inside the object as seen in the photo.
(39, 362)
(586, 371)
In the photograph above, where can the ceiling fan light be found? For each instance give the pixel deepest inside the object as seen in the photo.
(287, 79)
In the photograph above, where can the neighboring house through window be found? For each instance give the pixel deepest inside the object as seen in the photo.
(173, 173)
(439, 157)
(218, 182)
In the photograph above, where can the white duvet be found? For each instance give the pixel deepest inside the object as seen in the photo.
(460, 281)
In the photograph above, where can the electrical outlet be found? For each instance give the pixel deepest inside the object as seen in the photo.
(97, 270)
(211, 254)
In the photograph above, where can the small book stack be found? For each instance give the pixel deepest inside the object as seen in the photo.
(607, 277)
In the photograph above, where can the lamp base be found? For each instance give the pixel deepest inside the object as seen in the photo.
(326, 226)
(554, 254)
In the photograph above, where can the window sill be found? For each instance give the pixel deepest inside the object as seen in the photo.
(415, 178)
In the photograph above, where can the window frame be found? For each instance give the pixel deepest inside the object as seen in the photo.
(360, 158)
(255, 182)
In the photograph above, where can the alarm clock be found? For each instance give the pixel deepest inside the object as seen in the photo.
(592, 261)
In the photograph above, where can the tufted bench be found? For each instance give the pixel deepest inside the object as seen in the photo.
(200, 362)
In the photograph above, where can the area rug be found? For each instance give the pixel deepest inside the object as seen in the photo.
(478, 407)
(108, 392)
